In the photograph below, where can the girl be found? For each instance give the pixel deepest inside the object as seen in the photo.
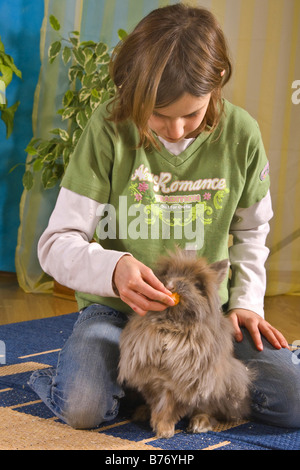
(168, 162)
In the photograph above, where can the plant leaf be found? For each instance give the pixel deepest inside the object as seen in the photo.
(14, 167)
(101, 49)
(44, 147)
(81, 119)
(2, 49)
(7, 116)
(87, 80)
(66, 55)
(68, 112)
(7, 74)
(54, 50)
(66, 156)
(76, 136)
(31, 150)
(68, 98)
(46, 176)
(79, 56)
(38, 164)
(122, 34)
(55, 131)
(54, 23)
(91, 66)
(27, 180)
(88, 44)
(84, 94)
(88, 111)
(74, 41)
(51, 182)
(64, 135)
(73, 72)
(49, 157)
(9, 61)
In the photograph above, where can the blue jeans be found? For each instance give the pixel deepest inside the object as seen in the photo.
(83, 390)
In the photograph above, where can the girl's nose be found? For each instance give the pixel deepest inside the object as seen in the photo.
(175, 129)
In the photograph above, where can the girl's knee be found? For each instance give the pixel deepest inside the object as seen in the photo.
(82, 418)
(88, 414)
(289, 413)
(88, 417)
(278, 402)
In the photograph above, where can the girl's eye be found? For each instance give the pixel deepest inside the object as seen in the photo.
(192, 115)
(189, 116)
(155, 113)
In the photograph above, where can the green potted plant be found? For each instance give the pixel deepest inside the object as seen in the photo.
(89, 85)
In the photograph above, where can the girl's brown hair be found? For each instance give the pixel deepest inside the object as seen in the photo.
(174, 50)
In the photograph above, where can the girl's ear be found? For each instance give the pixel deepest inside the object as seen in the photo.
(221, 268)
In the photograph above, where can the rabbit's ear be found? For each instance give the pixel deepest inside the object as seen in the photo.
(221, 268)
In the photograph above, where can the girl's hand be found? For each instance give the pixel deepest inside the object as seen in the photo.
(256, 326)
(139, 287)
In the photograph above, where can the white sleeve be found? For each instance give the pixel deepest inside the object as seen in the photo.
(248, 255)
(65, 251)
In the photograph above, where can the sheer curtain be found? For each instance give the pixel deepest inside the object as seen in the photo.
(264, 38)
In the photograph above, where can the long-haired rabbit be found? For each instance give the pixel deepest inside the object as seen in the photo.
(181, 359)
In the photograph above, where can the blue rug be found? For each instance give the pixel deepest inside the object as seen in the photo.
(32, 345)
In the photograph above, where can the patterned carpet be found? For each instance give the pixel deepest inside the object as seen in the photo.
(27, 424)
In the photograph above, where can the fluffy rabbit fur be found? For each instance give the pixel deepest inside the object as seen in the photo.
(181, 359)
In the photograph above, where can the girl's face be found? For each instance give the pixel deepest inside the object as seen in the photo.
(181, 119)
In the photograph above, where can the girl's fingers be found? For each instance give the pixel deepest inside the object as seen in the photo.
(141, 304)
(138, 286)
(237, 331)
(274, 336)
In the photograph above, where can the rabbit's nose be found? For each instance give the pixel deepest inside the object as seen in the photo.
(170, 285)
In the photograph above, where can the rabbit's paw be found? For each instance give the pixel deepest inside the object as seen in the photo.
(199, 422)
(164, 430)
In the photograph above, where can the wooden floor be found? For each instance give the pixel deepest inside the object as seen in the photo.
(283, 312)
(17, 306)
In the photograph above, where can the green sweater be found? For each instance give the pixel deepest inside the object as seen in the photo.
(156, 201)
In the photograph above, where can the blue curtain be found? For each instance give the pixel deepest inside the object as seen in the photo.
(20, 23)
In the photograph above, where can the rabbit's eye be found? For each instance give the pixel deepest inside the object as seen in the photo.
(199, 286)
